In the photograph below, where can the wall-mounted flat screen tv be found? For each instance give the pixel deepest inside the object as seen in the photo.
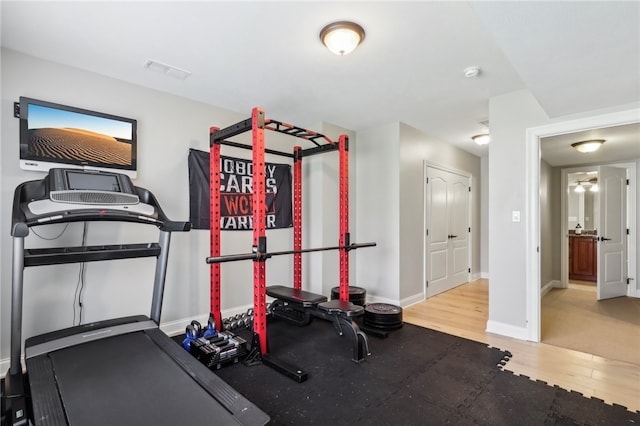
(54, 135)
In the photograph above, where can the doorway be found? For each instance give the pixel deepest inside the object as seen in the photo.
(533, 149)
(595, 220)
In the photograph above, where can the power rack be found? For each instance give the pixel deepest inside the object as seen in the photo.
(257, 124)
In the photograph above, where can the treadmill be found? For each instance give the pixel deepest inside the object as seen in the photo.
(122, 371)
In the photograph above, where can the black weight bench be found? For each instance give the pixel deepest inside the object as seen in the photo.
(298, 307)
(293, 305)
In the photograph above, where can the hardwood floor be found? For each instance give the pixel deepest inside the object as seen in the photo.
(463, 312)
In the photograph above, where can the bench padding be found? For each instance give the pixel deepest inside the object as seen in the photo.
(336, 307)
(291, 295)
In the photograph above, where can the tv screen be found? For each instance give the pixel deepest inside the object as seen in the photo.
(54, 135)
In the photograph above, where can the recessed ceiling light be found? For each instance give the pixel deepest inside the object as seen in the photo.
(165, 69)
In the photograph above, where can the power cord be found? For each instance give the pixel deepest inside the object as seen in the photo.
(51, 238)
(77, 297)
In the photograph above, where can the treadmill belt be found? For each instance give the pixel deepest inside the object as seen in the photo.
(128, 380)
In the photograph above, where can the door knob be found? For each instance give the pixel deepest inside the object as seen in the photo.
(604, 239)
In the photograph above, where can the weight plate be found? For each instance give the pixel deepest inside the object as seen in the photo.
(357, 295)
(383, 314)
(386, 327)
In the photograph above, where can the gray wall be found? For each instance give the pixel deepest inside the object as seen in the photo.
(390, 191)
(378, 216)
(510, 116)
(167, 127)
(550, 229)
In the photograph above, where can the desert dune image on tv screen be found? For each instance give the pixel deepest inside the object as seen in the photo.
(78, 144)
(67, 135)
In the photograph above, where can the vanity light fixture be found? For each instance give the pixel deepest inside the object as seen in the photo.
(342, 37)
(482, 139)
(593, 185)
(588, 146)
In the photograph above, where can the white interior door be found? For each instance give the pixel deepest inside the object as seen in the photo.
(459, 226)
(447, 234)
(612, 233)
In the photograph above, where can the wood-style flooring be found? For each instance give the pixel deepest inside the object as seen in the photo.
(463, 312)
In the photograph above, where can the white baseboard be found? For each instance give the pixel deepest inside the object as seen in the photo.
(412, 300)
(176, 327)
(508, 330)
(4, 366)
(477, 276)
(548, 286)
(372, 298)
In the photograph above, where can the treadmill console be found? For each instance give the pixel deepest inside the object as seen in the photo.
(88, 187)
(74, 194)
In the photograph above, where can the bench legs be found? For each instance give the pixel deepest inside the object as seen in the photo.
(342, 322)
(296, 313)
(359, 339)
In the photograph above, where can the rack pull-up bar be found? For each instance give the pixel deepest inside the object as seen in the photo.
(256, 255)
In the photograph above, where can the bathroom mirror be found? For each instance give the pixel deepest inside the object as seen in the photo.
(582, 200)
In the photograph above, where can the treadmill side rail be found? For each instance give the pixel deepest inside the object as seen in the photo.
(84, 336)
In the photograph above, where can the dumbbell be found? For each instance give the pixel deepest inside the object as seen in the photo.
(248, 321)
(226, 324)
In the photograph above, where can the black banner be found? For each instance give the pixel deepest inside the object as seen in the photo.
(236, 183)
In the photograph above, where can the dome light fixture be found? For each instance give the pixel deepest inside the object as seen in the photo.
(588, 146)
(471, 72)
(342, 37)
(482, 139)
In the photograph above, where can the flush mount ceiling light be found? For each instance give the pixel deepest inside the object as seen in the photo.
(481, 139)
(471, 72)
(342, 37)
(588, 146)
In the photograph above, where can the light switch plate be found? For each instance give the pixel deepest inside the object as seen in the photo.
(515, 216)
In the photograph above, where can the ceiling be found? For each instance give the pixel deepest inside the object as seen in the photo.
(621, 143)
(572, 56)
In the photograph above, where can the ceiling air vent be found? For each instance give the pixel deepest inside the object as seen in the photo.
(168, 70)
